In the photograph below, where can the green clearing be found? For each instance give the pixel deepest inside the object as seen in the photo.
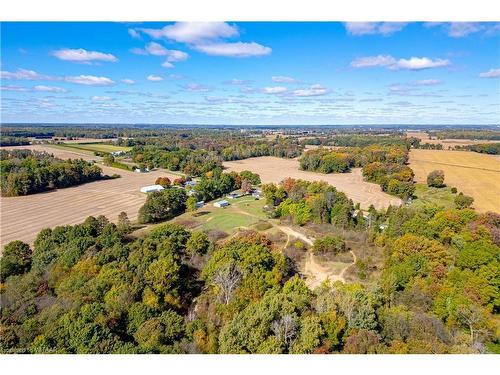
(429, 195)
(243, 212)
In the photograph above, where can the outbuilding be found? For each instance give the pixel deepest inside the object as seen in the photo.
(222, 203)
(151, 188)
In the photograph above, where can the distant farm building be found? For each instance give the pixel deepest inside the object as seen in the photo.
(222, 203)
(117, 153)
(199, 204)
(233, 195)
(152, 189)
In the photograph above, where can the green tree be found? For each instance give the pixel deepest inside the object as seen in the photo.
(435, 179)
(198, 243)
(463, 201)
(15, 260)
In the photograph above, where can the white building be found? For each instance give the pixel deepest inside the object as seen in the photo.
(222, 203)
(151, 188)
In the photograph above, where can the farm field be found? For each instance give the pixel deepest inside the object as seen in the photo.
(447, 143)
(23, 217)
(92, 147)
(273, 169)
(474, 174)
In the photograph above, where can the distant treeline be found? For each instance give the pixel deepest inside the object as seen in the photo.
(483, 148)
(13, 141)
(197, 155)
(493, 135)
(356, 140)
(25, 172)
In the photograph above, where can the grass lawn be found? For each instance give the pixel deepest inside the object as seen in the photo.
(430, 195)
(226, 219)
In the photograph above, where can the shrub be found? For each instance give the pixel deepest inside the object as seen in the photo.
(435, 179)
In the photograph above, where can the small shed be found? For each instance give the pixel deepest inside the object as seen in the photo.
(151, 188)
(223, 203)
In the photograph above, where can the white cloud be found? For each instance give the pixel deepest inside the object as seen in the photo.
(13, 88)
(193, 32)
(492, 73)
(370, 28)
(167, 64)
(314, 90)
(413, 63)
(236, 81)
(154, 78)
(419, 63)
(369, 61)
(101, 98)
(157, 49)
(282, 79)
(88, 80)
(49, 88)
(427, 82)
(134, 34)
(22, 74)
(463, 29)
(274, 90)
(196, 87)
(128, 81)
(83, 56)
(237, 49)
(206, 37)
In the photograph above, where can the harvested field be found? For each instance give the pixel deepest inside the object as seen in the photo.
(447, 143)
(477, 175)
(23, 217)
(273, 169)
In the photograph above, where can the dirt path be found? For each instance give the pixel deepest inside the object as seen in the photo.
(315, 273)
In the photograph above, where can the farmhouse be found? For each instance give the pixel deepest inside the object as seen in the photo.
(151, 188)
(222, 203)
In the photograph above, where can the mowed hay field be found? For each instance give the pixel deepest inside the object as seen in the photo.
(23, 217)
(477, 175)
(447, 143)
(273, 169)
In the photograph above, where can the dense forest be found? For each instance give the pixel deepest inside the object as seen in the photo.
(303, 202)
(25, 172)
(89, 288)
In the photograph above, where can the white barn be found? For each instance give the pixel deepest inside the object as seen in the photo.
(222, 203)
(151, 188)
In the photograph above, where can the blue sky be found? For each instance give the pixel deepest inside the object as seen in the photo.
(251, 73)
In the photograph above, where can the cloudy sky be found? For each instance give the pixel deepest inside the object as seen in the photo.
(251, 73)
